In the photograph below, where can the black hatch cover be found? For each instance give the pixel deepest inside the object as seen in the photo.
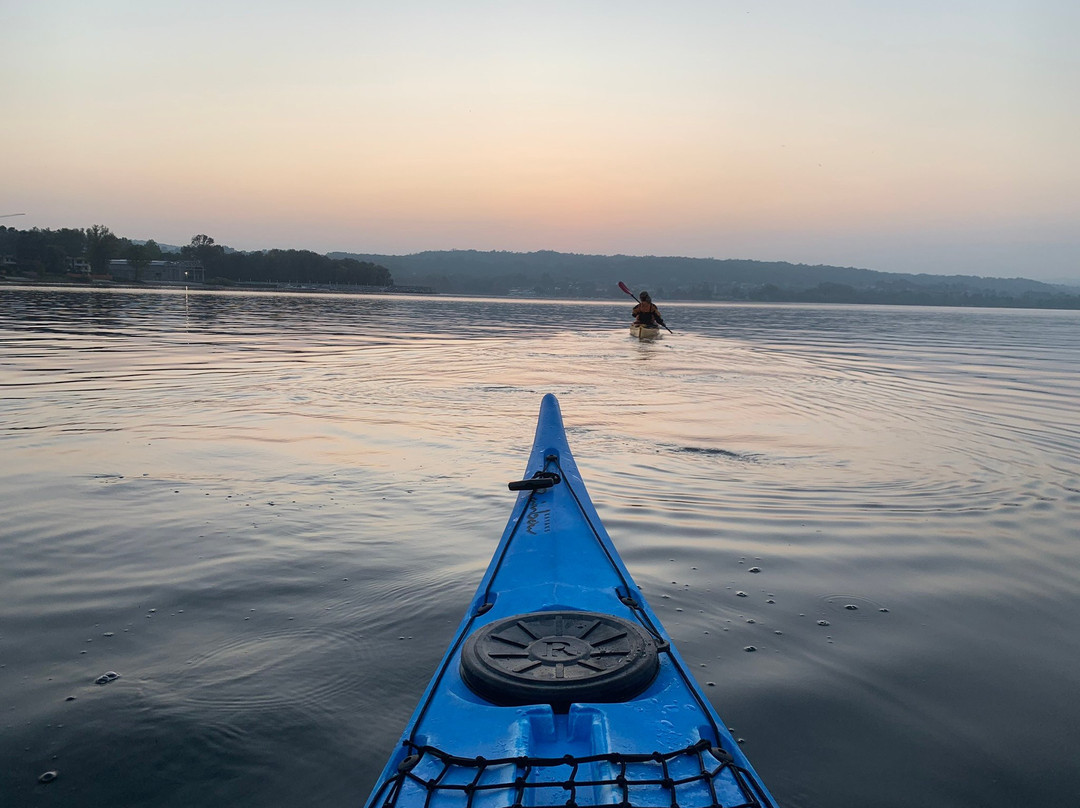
(559, 657)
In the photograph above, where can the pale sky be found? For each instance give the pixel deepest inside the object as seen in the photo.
(911, 137)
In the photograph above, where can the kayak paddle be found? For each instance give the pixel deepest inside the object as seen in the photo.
(623, 287)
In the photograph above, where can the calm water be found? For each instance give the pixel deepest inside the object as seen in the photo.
(267, 513)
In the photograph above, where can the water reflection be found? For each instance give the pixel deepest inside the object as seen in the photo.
(277, 506)
(790, 324)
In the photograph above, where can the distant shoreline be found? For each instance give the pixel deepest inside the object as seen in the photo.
(101, 285)
(214, 287)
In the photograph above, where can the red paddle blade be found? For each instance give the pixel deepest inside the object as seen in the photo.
(623, 287)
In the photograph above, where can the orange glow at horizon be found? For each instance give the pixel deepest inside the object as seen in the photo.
(645, 131)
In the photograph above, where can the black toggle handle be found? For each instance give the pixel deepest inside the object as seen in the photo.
(542, 479)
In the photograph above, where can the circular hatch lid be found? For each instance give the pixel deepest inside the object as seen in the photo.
(558, 658)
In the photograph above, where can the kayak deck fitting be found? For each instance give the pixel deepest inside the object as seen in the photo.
(561, 687)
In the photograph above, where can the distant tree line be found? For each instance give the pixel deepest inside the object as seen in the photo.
(568, 275)
(282, 266)
(542, 274)
(49, 252)
(45, 253)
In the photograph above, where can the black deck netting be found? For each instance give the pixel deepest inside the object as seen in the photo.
(699, 776)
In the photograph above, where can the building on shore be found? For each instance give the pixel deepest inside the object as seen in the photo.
(158, 271)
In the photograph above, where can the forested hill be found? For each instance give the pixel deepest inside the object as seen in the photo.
(548, 273)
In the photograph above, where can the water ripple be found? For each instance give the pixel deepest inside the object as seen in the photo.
(339, 465)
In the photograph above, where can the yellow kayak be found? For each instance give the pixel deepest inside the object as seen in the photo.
(644, 331)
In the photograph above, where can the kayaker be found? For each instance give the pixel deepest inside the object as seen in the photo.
(646, 313)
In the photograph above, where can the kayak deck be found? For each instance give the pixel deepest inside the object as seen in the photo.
(561, 687)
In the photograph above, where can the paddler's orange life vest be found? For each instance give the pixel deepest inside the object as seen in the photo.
(646, 312)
